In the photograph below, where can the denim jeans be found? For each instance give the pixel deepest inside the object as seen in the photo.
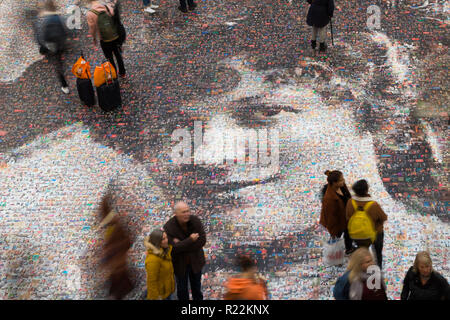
(146, 3)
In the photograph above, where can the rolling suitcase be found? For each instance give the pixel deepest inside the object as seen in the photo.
(86, 91)
(82, 70)
(108, 88)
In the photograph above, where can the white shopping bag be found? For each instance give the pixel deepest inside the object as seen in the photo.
(333, 252)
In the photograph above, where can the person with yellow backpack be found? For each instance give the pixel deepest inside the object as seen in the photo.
(365, 219)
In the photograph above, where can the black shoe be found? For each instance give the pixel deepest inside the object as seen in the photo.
(323, 47)
(194, 5)
(184, 10)
(313, 44)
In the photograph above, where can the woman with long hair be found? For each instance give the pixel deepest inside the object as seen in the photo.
(358, 277)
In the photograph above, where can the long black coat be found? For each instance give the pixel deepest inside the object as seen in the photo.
(319, 13)
(186, 249)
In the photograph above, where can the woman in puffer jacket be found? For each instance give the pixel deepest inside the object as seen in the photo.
(160, 276)
(319, 15)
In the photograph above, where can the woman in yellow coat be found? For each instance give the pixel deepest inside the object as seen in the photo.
(160, 276)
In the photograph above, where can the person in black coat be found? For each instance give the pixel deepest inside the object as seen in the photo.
(423, 283)
(319, 15)
(187, 236)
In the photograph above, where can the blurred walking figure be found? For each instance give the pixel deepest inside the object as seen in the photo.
(187, 236)
(247, 285)
(149, 6)
(51, 35)
(319, 15)
(332, 216)
(365, 220)
(423, 283)
(117, 244)
(160, 276)
(358, 277)
(103, 26)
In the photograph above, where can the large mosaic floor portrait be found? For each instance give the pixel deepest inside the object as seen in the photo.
(375, 107)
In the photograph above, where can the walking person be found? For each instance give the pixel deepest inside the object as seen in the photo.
(358, 277)
(332, 215)
(247, 285)
(187, 236)
(51, 35)
(117, 244)
(149, 6)
(363, 204)
(160, 276)
(184, 7)
(423, 283)
(319, 15)
(103, 26)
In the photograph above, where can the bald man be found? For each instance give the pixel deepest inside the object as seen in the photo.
(187, 236)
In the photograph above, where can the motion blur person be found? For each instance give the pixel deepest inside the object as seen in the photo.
(187, 236)
(332, 216)
(363, 201)
(247, 285)
(51, 35)
(423, 283)
(160, 277)
(358, 277)
(117, 244)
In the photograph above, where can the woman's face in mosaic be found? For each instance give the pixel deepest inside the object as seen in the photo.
(283, 110)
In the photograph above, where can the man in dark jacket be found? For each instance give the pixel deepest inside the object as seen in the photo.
(187, 236)
(319, 15)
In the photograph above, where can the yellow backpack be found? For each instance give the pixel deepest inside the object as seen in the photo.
(360, 226)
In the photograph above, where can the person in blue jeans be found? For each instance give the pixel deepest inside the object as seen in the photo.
(149, 6)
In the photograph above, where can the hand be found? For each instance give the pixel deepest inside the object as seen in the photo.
(194, 236)
(176, 240)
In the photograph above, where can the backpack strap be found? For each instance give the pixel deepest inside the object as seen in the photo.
(368, 205)
(355, 206)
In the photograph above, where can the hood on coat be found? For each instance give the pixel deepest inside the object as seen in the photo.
(151, 249)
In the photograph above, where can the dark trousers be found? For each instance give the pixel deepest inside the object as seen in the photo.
(195, 280)
(110, 48)
(377, 245)
(190, 3)
(56, 60)
(347, 240)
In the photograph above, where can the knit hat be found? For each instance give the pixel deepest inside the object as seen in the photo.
(156, 237)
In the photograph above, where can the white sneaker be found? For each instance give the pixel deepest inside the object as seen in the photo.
(65, 90)
(154, 6)
(149, 10)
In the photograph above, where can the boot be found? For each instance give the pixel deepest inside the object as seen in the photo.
(313, 44)
(322, 47)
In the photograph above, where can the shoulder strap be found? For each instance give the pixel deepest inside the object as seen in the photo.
(367, 205)
(94, 12)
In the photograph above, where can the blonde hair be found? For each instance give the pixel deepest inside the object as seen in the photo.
(355, 263)
(422, 256)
